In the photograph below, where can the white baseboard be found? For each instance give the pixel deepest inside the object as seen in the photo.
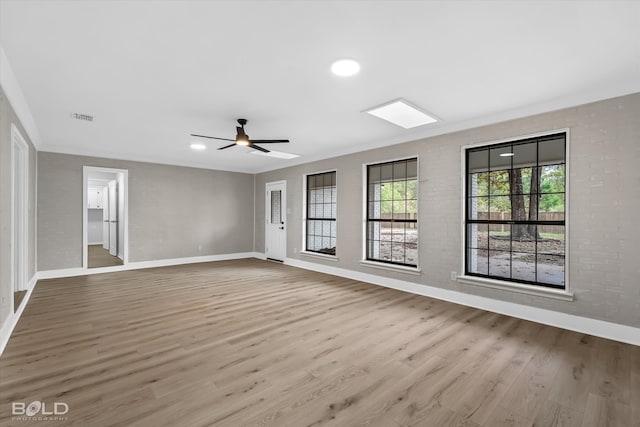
(79, 271)
(12, 320)
(600, 328)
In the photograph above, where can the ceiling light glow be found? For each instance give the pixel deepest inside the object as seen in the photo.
(506, 154)
(242, 142)
(198, 146)
(401, 113)
(345, 67)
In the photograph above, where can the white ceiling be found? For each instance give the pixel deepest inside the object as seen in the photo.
(154, 72)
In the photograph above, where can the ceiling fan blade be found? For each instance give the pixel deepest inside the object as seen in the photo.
(269, 141)
(212, 137)
(255, 147)
(227, 146)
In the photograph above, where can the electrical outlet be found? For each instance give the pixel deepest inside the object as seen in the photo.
(454, 275)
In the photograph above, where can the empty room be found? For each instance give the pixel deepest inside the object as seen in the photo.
(319, 213)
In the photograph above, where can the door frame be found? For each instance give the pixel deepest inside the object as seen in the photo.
(19, 204)
(86, 170)
(267, 212)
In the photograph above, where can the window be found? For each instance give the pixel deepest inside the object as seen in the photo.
(515, 211)
(321, 213)
(392, 212)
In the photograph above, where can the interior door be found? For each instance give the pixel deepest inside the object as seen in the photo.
(113, 218)
(275, 227)
(105, 217)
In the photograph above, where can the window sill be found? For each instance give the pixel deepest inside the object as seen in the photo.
(390, 267)
(319, 255)
(517, 287)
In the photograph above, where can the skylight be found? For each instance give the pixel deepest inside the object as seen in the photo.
(401, 113)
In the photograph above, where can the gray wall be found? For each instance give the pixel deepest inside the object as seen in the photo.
(604, 201)
(8, 117)
(174, 211)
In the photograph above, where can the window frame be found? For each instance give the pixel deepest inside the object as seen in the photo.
(304, 250)
(516, 285)
(384, 264)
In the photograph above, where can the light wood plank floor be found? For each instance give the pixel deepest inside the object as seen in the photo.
(256, 343)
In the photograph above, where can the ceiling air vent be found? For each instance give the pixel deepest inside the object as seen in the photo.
(85, 117)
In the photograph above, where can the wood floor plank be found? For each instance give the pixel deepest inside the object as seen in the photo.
(611, 376)
(250, 342)
(529, 392)
(553, 414)
(503, 416)
(572, 384)
(603, 411)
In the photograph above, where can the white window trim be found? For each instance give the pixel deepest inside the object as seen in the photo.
(520, 288)
(319, 255)
(391, 267)
(303, 249)
(384, 265)
(563, 294)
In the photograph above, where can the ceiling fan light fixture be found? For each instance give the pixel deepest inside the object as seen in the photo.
(198, 146)
(243, 139)
(345, 67)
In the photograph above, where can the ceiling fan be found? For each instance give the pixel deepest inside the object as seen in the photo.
(243, 139)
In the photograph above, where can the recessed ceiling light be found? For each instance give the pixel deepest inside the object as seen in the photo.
(198, 146)
(345, 67)
(276, 154)
(506, 154)
(400, 112)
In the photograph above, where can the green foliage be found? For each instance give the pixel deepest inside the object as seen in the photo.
(496, 184)
(552, 182)
(394, 194)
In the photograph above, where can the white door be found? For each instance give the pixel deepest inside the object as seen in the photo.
(113, 218)
(105, 217)
(275, 227)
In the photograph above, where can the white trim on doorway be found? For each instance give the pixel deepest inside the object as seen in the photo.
(124, 222)
(19, 212)
(280, 252)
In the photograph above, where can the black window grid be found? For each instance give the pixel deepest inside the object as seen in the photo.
(321, 214)
(537, 222)
(397, 223)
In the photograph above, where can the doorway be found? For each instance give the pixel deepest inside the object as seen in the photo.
(105, 214)
(19, 215)
(275, 227)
